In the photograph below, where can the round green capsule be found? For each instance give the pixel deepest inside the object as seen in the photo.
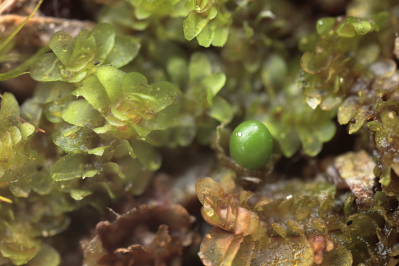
(251, 144)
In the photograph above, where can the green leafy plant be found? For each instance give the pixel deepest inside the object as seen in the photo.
(72, 59)
(131, 116)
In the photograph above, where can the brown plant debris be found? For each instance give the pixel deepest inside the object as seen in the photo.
(357, 171)
(151, 234)
(38, 30)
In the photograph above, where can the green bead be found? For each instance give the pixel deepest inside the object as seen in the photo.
(251, 144)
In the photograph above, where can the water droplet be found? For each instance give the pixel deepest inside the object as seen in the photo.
(313, 102)
(208, 210)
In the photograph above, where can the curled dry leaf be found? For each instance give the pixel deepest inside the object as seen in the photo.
(293, 222)
(288, 223)
(224, 210)
(151, 234)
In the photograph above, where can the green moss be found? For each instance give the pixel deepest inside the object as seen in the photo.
(134, 96)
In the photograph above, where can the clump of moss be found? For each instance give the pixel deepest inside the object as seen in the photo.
(149, 85)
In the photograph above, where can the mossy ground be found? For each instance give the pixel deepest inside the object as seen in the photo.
(116, 117)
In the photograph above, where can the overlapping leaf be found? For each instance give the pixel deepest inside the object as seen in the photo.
(73, 59)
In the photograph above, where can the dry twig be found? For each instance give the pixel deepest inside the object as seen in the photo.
(39, 30)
